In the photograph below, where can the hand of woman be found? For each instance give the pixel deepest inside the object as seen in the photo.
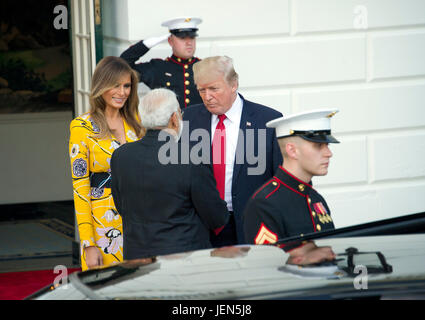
(93, 257)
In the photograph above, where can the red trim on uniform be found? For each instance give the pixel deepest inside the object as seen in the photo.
(175, 61)
(184, 71)
(187, 60)
(218, 230)
(289, 187)
(184, 87)
(278, 185)
(290, 174)
(261, 188)
(309, 208)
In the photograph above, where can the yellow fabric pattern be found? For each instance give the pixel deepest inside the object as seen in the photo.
(99, 224)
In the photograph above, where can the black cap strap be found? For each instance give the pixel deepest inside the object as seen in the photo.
(311, 133)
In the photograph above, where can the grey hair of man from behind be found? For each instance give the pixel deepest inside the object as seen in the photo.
(211, 68)
(156, 108)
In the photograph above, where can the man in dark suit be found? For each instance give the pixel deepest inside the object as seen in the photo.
(243, 151)
(165, 207)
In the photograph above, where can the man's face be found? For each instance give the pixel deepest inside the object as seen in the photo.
(313, 157)
(217, 95)
(182, 47)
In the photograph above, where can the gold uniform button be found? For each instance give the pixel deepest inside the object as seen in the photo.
(179, 60)
(313, 213)
(190, 60)
(187, 100)
(187, 82)
(274, 183)
(187, 91)
(308, 200)
(318, 227)
(186, 66)
(186, 74)
(301, 187)
(168, 84)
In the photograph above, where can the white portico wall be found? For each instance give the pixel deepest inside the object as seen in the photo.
(366, 58)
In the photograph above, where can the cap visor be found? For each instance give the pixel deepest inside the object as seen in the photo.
(185, 34)
(321, 139)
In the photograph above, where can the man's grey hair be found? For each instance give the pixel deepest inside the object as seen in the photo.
(209, 68)
(157, 107)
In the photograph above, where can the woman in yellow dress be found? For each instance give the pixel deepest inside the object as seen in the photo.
(113, 120)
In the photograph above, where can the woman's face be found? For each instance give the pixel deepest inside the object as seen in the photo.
(117, 96)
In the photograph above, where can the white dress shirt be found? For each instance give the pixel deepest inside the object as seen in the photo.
(232, 124)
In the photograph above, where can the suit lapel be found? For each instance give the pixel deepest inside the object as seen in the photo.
(206, 120)
(247, 122)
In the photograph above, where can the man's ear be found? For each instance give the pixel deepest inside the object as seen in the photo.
(234, 86)
(291, 150)
(173, 122)
(175, 118)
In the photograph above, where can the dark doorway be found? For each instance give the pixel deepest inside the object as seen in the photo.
(35, 58)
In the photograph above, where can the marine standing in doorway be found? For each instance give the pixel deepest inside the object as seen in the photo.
(175, 72)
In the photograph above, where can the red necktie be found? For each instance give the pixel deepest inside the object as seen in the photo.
(219, 155)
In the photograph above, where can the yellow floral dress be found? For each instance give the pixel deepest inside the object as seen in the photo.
(99, 223)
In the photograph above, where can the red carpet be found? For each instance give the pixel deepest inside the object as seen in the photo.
(18, 285)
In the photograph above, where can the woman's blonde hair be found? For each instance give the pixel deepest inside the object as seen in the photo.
(107, 74)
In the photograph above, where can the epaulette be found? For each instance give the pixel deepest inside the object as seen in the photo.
(267, 189)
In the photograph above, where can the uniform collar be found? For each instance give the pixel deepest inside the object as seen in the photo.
(293, 182)
(178, 60)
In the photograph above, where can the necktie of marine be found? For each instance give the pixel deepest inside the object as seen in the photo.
(219, 154)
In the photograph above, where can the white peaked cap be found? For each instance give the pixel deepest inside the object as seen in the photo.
(182, 23)
(312, 125)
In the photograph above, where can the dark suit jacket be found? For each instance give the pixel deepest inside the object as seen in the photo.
(244, 183)
(163, 207)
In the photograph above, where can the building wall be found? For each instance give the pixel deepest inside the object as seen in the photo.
(365, 58)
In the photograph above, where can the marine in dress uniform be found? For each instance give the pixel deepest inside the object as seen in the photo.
(285, 205)
(174, 73)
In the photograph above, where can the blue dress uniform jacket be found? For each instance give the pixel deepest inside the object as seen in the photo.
(284, 207)
(164, 207)
(254, 116)
(172, 73)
